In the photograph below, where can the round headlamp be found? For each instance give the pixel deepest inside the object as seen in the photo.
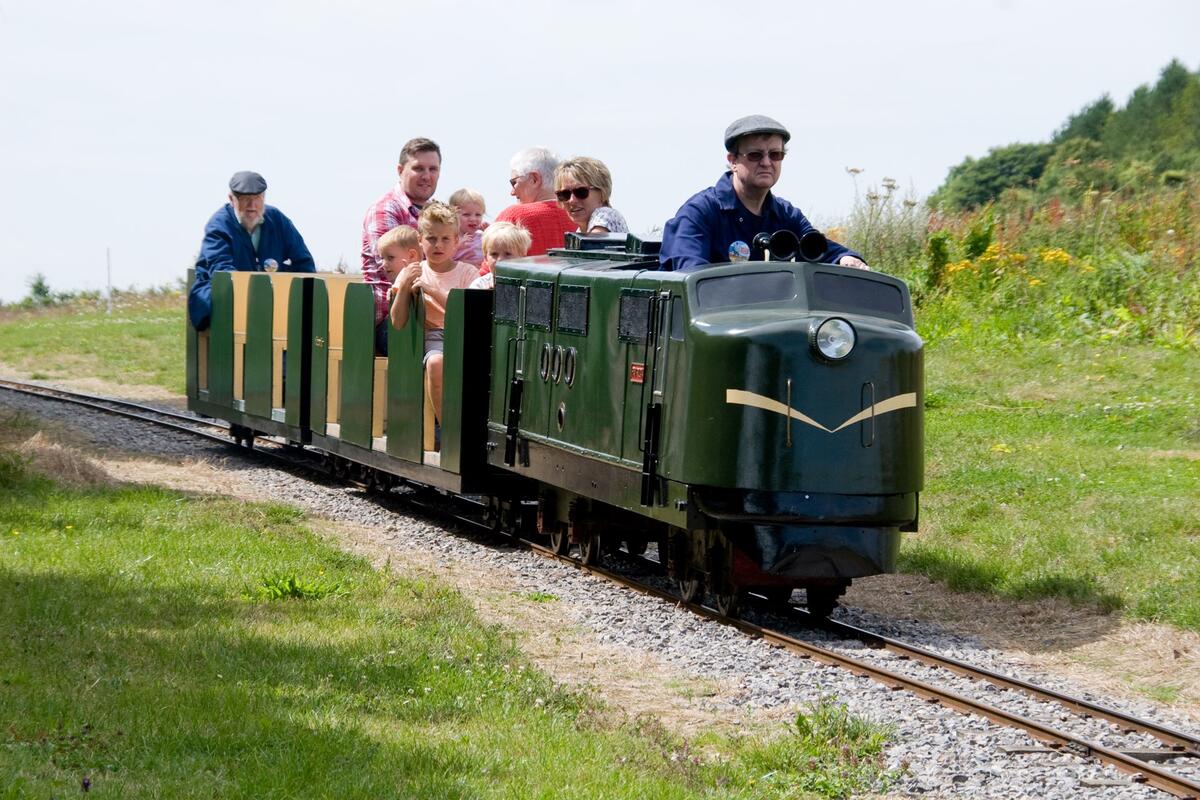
(834, 338)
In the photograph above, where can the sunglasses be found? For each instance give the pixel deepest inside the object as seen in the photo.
(513, 181)
(755, 156)
(580, 192)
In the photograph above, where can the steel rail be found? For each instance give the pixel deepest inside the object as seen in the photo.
(1184, 743)
(118, 407)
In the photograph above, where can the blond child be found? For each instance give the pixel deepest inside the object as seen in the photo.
(471, 208)
(398, 248)
(438, 226)
(502, 240)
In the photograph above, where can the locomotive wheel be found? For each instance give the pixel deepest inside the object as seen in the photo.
(777, 595)
(728, 603)
(590, 549)
(691, 589)
(636, 547)
(822, 601)
(560, 543)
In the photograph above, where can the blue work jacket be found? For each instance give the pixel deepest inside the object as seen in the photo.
(710, 221)
(227, 246)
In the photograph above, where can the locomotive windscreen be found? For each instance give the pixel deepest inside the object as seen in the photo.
(746, 289)
(850, 293)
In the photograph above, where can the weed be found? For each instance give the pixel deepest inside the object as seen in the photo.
(826, 750)
(541, 597)
(287, 586)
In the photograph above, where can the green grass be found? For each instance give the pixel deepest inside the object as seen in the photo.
(141, 343)
(161, 645)
(1064, 471)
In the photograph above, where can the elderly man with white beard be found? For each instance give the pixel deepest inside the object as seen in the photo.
(246, 235)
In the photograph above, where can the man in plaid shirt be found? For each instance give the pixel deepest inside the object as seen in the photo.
(419, 168)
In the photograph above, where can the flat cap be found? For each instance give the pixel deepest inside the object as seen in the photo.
(246, 182)
(753, 124)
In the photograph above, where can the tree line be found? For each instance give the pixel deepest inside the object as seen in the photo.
(1153, 141)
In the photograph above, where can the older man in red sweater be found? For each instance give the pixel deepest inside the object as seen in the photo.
(536, 211)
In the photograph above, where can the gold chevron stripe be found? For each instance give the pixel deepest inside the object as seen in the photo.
(744, 398)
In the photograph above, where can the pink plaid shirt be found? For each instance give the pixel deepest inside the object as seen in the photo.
(390, 211)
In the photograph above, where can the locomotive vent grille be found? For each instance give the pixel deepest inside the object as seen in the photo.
(573, 309)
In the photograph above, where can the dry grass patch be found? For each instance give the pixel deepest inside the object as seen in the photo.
(1101, 652)
(64, 464)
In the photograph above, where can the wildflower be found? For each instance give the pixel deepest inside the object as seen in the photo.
(1054, 256)
(1001, 447)
(958, 266)
(1035, 281)
(855, 170)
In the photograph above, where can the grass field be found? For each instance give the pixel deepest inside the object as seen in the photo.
(140, 343)
(1064, 470)
(158, 645)
(1054, 468)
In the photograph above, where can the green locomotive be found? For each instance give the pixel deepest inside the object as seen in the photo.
(760, 422)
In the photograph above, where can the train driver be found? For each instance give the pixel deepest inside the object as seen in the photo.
(719, 224)
(245, 234)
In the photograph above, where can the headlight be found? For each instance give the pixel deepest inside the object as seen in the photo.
(834, 338)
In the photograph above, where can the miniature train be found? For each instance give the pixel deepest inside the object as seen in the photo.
(760, 422)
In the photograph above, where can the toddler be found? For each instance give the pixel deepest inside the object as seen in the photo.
(501, 241)
(438, 226)
(470, 206)
(398, 248)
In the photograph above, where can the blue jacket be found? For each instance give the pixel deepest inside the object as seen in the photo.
(702, 230)
(227, 246)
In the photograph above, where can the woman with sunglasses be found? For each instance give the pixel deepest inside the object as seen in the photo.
(583, 187)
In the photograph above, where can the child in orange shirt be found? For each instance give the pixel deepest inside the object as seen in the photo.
(438, 226)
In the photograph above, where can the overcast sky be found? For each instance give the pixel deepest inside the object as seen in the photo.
(122, 121)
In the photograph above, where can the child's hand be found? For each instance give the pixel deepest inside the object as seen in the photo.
(409, 276)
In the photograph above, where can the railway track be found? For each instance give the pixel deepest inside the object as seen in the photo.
(1141, 764)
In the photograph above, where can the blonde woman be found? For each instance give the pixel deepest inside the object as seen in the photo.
(583, 187)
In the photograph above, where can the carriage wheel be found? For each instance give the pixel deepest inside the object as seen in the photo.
(777, 595)
(560, 543)
(590, 549)
(636, 547)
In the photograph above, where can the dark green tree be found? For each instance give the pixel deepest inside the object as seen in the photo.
(39, 291)
(1077, 165)
(1088, 123)
(977, 181)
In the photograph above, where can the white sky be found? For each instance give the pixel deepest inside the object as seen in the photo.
(121, 122)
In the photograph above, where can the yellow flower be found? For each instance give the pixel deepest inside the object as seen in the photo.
(1035, 281)
(958, 266)
(1001, 447)
(1054, 256)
